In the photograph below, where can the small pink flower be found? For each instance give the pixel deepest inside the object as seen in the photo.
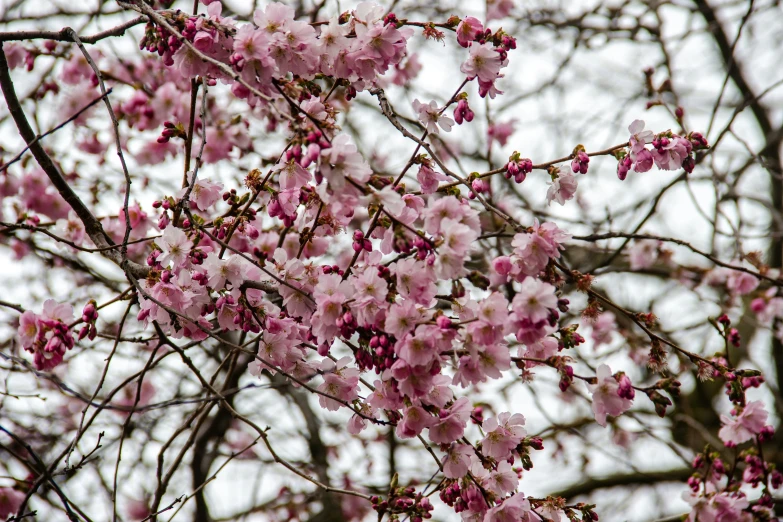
(494, 309)
(497, 9)
(28, 328)
(292, 175)
(456, 462)
(644, 254)
(501, 132)
(416, 351)
(339, 382)
(503, 434)
(430, 116)
(429, 179)
(741, 283)
(643, 161)
(10, 501)
(534, 300)
(562, 188)
(603, 327)
(468, 29)
(484, 62)
(670, 153)
(220, 271)
(402, 318)
(174, 246)
(414, 420)
(606, 396)
(744, 426)
(513, 509)
(451, 424)
(639, 136)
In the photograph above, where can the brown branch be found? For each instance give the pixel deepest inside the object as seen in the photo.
(623, 480)
(91, 224)
(64, 34)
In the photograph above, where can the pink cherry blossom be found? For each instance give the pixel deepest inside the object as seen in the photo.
(639, 136)
(402, 318)
(10, 501)
(741, 283)
(534, 300)
(416, 350)
(503, 434)
(484, 62)
(494, 309)
(174, 246)
(292, 175)
(501, 132)
(430, 116)
(414, 420)
(456, 462)
(670, 153)
(644, 254)
(468, 29)
(220, 271)
(341, 161)
(513, 509)
(562, 188)
(606, 396)
(340, 382)
(497, 9)
(744, 426)
(451, 423)
(429, 179)
(205, 193)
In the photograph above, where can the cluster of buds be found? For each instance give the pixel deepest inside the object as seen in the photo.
(451, 494)
(660, 401)
(524, 447)
(197, 256)
(245, 320)
(707, 466)
(565, 370)
(731, 335)
(230, 197)
(382, 349)
(172, 130)
(152, 259)
(580, 161)
(201, 278)
(334, 269)
(404, 245)
(360, 242)
(159, 40)
(624, 164)
(585, 512)
(403, 501)
(347, 324)
(89, 316)
(518, 168)
(52, 339)
(462, 112)
(479, 186)
(569, 338)
(314, 143)
(275, 209)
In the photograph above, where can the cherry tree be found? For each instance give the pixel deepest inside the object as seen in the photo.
(315, 261)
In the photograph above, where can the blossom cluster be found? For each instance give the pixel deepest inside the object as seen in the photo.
(343, 276)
